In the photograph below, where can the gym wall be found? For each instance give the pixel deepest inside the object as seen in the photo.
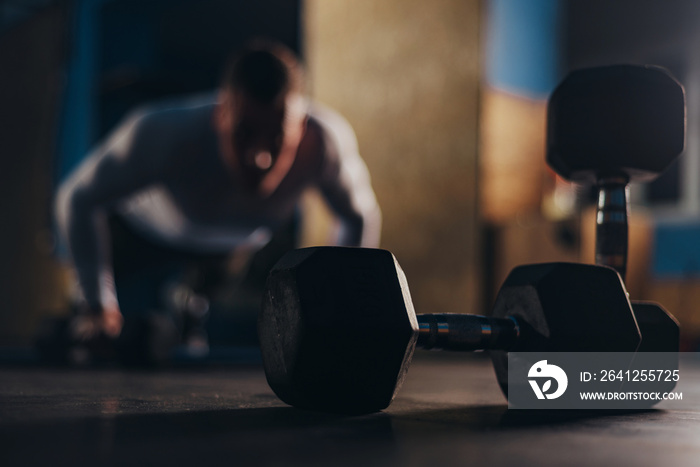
(405, 73)
(31, 56)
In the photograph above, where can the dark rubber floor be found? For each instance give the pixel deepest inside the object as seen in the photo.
(450, 412)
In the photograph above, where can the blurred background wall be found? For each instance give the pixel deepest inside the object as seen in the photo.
(31, 63)
(405, 73)
(447, 99)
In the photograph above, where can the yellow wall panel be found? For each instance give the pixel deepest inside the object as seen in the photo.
(405, 73)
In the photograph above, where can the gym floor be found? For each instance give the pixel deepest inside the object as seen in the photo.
(450, 411)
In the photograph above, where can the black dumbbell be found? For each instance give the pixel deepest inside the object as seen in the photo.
(612, 125)
(145, 341)
(337, 327)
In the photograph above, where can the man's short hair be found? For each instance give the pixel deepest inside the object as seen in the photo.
(264, 70)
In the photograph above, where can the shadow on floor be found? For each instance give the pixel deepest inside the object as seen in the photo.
(254, 436)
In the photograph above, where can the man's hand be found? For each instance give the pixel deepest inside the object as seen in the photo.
(88, 326)
(112, 322)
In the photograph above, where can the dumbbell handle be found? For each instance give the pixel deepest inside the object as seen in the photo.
(454, 331)
(611, 224)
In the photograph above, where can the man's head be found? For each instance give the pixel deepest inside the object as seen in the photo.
(261, 116)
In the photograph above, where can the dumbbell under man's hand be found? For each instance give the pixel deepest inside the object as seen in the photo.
(337, 328)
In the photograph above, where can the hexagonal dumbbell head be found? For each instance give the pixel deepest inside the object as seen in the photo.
(660, 335)
(660, 330)
(565, 307)
(615, 121)
(337, 329)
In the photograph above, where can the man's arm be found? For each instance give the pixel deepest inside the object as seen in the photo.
(124, 163)
(345, 184)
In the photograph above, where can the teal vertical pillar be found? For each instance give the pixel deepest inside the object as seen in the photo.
(76, 130)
